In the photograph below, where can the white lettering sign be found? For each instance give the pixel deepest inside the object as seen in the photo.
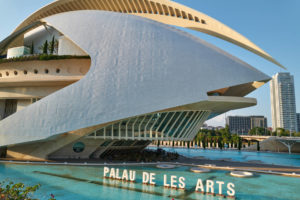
(171, 181)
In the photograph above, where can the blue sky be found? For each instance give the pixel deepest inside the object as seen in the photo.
(273, 25)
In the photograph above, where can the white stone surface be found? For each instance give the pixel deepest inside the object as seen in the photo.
(138, 66)
(67, 47)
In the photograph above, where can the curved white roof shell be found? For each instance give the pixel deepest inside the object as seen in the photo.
(164, 11)
(138, 66)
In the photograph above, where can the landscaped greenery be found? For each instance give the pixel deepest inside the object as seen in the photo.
(279, 132)
(42, 57)
(283, 132)
(222, 137)
(18, 191)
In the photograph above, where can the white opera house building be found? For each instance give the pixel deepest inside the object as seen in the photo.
(118, 75)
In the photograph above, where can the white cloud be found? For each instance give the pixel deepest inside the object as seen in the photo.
(217, 121)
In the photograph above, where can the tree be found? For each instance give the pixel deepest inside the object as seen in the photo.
(45, 47)
(235, 139)
(282, 132)
(203, 143)
(220, 142)
(259, 131)
(52, 45)
(297, 134)
(32, 48)
(18, 191)
(209, 139)
(240, 143)
(215, 141)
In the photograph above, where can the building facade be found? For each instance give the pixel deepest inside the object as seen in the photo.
(258, 121)
(298, 122)
(283, 104)
(243, 124)
(130, 79)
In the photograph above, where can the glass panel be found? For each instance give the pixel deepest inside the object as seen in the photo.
(171, 123)
(160, 117)
(108, 130)
(176, 125)
(136, 126)
(183, 124)
(123, 128)
(100, 132)
(105, 143)
(116, 130)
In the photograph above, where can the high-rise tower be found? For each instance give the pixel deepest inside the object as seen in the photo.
(283, 106)
(298, 122)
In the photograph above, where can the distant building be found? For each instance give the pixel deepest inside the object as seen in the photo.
(283, 104)
(243, 124)
(258, 121)
(298, 122)
(205, 126)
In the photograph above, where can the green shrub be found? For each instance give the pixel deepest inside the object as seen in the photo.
(18, 191)
(42, 57)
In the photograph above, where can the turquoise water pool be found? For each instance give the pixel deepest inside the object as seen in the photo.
(242, 156)
(87, 183)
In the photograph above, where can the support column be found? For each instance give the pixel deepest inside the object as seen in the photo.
(289, 144)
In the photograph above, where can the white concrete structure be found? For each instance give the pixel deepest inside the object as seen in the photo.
(283, 106)
(143, 81)
(163, 11)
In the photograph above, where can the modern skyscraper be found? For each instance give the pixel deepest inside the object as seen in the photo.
(298, 122)
(283, 106)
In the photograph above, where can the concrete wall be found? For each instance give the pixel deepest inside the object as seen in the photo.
(22, 103)
(28, 92)
(67, 67)
(67, 47)
(67, 151)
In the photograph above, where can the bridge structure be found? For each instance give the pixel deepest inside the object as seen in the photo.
(288, 142)
(254, 137)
